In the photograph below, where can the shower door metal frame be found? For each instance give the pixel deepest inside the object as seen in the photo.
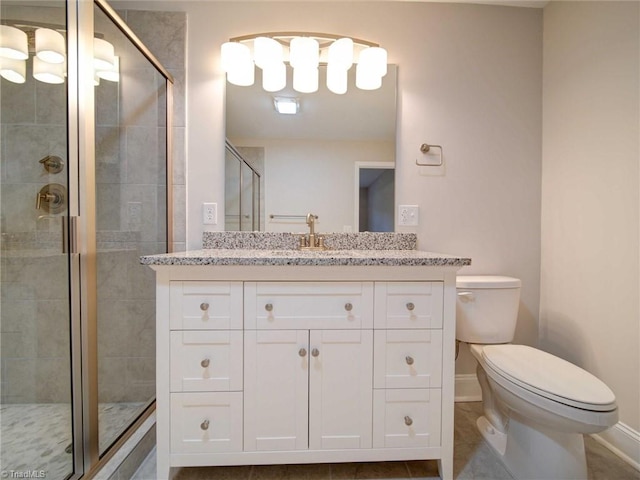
(82, 212)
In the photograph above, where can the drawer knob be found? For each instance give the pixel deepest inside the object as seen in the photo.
(410, 306)
(204, 363)
(268, 307)
(302, 352)
(315, 352)
(204, 306)
(348, 307)
(408, 421)
(409, 360)
(204, 425)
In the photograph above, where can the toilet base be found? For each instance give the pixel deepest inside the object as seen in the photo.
(535, 452)
(496, 439)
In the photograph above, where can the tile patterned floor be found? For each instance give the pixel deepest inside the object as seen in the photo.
(473, 460)
(35, 436)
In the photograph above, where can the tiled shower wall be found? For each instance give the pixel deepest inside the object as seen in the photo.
(35, 310)
(35, 332)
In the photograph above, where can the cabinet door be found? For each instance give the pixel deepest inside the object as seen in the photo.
(276, 390)
(340, 389)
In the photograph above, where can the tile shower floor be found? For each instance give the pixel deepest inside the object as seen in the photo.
(473, 459)
(35, 436)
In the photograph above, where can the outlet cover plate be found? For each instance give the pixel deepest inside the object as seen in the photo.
(408, 215)
(209, 213)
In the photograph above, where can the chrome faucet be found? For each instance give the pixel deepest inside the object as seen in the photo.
(311, 241)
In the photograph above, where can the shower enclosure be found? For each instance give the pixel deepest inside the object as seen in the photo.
(243, 188)
(83, 193)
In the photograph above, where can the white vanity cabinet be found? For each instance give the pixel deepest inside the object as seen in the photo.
(304, 364)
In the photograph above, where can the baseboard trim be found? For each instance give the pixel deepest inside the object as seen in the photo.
(467, 388)
(622, 440)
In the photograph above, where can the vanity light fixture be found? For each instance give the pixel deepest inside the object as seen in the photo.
(13, 69)
(13, 43)
(48, 45)
(48, 72)
(304, 52)
(286, 105)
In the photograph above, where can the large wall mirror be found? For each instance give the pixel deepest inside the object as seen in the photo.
(335, 158)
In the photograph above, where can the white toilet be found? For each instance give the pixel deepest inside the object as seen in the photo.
(536, 406)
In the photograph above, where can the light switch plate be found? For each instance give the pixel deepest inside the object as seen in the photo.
(408, 215)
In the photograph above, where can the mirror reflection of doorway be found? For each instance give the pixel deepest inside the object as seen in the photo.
(375, 196)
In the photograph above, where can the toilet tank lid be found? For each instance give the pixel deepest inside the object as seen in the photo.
(487, 281)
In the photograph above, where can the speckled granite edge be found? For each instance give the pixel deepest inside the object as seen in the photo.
(241, 257)
(289, 241)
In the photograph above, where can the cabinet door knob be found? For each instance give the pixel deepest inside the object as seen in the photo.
(408, 420)
(204, 425)
(348, 307)
(410, 306)
(302, 352)
(204, 306)
(204, 363)
(268, 307)
(315, 352)
(409, 360)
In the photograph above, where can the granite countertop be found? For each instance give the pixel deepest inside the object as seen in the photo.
(251, 257)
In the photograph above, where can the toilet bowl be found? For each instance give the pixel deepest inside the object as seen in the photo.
(536, 406)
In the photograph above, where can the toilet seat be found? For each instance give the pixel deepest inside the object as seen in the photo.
(548, 376)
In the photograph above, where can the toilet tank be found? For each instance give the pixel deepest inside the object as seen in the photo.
(487, 308)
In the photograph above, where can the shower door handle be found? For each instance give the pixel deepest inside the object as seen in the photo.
(69, 234)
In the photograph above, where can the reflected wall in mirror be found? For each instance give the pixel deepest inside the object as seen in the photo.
(307, 161)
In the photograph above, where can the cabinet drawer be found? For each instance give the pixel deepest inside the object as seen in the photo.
(406, 418)
(408, 304)
(206, 422)
(407, 359)
(206, 305)
(206, 361)
(309, 305)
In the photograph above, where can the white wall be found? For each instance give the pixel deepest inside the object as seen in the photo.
(469, 79)
(304, 176)
(589, 312)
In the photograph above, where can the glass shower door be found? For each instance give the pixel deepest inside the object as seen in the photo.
(35, 324)
(131, 220)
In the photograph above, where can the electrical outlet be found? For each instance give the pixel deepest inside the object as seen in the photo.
(209, 213)
(408, 215)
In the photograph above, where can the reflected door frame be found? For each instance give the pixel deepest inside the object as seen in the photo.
(356, 190)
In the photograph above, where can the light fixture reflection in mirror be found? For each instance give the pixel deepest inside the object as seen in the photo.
(307, 161)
